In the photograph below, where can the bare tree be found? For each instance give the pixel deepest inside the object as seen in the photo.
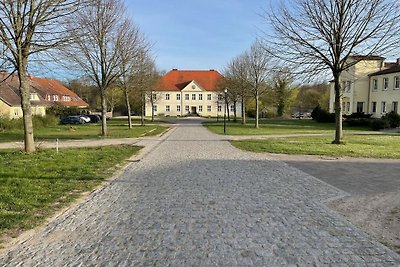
(236, 78)
(30, 27)
(96, 42)
(315, 36)
(133, 48)
(258, 62)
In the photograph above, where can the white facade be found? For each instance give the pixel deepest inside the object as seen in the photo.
(191, 100)
(367, 88)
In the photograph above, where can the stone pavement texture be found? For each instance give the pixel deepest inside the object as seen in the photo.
(195, 200)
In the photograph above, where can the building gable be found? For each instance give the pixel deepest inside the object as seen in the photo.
(193, 86)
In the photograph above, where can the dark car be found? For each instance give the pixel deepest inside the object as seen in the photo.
(94, 118)
(72, 120)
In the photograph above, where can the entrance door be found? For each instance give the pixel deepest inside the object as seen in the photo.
(194, 111)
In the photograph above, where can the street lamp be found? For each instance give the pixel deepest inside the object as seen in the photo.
(225, 107)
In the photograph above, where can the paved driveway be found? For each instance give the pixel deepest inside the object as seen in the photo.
(194, 200)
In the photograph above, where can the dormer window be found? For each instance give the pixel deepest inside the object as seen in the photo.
(34, 97)
(55, 97)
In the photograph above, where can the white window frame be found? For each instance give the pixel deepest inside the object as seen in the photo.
(167, 108)
(232, 108)
(208, 96)
(397, 82)
(187, 108)
(167, 96)
(200, 96)
(208, 108)
(395, 106)
(155, 108)
(385, 84)
(219, 108)
(384, 108)
(348, 86)
(375, 85)
(193, 96)
(178, 108)
(178, 96)
(200, 108)
(186, 96)
(374, 107)
(55, 97)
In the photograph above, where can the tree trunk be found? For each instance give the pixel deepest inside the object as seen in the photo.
(103, 113)
(128, 107)
(227, 109)
(152, 111)
(26, 108)
(243, 110)
(257, 115)
(143, 109)
(234, 111)
(338, 111)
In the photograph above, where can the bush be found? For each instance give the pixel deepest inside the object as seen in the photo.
(358, 122)
(62, 111)
(392, 119)
(357, 115)
(379, 124)
(320, 115)
(45, 121)
(7, 124)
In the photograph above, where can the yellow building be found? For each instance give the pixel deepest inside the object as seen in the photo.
(188, 92)
(370, 86)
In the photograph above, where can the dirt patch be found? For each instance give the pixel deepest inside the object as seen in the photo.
(376, 214)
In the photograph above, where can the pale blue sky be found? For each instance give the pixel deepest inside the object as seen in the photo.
(198, 34)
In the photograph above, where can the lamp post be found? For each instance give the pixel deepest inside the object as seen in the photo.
(225, 91)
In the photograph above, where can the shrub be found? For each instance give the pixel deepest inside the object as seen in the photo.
(320, 115)
(62, 111)
(357, 115)
(392, 119)
(358, 122)
(379, 124)
(7, 124)
(45, 121)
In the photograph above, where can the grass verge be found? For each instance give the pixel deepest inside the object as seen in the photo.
(86, 131)
(366, 146)
(33, 186)
(277, 126)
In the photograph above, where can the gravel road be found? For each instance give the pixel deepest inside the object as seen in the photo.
(194, 200)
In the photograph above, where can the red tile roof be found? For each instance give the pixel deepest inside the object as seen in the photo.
(176, 80)
(9, 91)
(391, 69)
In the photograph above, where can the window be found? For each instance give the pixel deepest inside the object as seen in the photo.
(360, 107)
(166, 96)
(219, 108)
(55, 97)
(395, 105)
(155, 108)
(383, 107)
(178, 108)
(178, 96)
(385, 83)
(232, 108)
(209, 108)
(154, 96)
(186, 96)
(187, 108)
(348, 107)
(200, 108)
(375, 84)
(33, 97)
(344, 106)
(48, 97)
(200, 96)
(208, 96)
(348, 86)
(220, 97)
(373, 107)
(193, 96)
(167, 109)
(343, 86)
(397, 82)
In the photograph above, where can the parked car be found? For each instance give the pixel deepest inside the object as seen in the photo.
(85, 118)
(72, 120)
(94, 118)
(298, 115)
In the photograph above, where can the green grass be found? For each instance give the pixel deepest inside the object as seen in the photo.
(86, 131)
(33, 186)
(368, 146)
(276, 126)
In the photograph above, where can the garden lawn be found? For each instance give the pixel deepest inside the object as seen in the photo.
(275, 126)
(33, 186)
(85, 131)
(368, 146)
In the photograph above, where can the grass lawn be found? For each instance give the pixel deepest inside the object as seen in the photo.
(369, 146)
(276, 126)
(33, 186)
(86, 131)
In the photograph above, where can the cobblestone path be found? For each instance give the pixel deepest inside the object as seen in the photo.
(194, 200)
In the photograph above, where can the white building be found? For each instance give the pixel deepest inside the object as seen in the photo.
(189, 92)
(370, 86)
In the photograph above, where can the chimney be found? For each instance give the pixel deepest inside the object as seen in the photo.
(174, 69)
(212, 70)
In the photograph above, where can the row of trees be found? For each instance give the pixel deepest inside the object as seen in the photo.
(94, 37)
(314, 38)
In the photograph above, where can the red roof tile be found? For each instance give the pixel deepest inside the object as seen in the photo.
(176, 80)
